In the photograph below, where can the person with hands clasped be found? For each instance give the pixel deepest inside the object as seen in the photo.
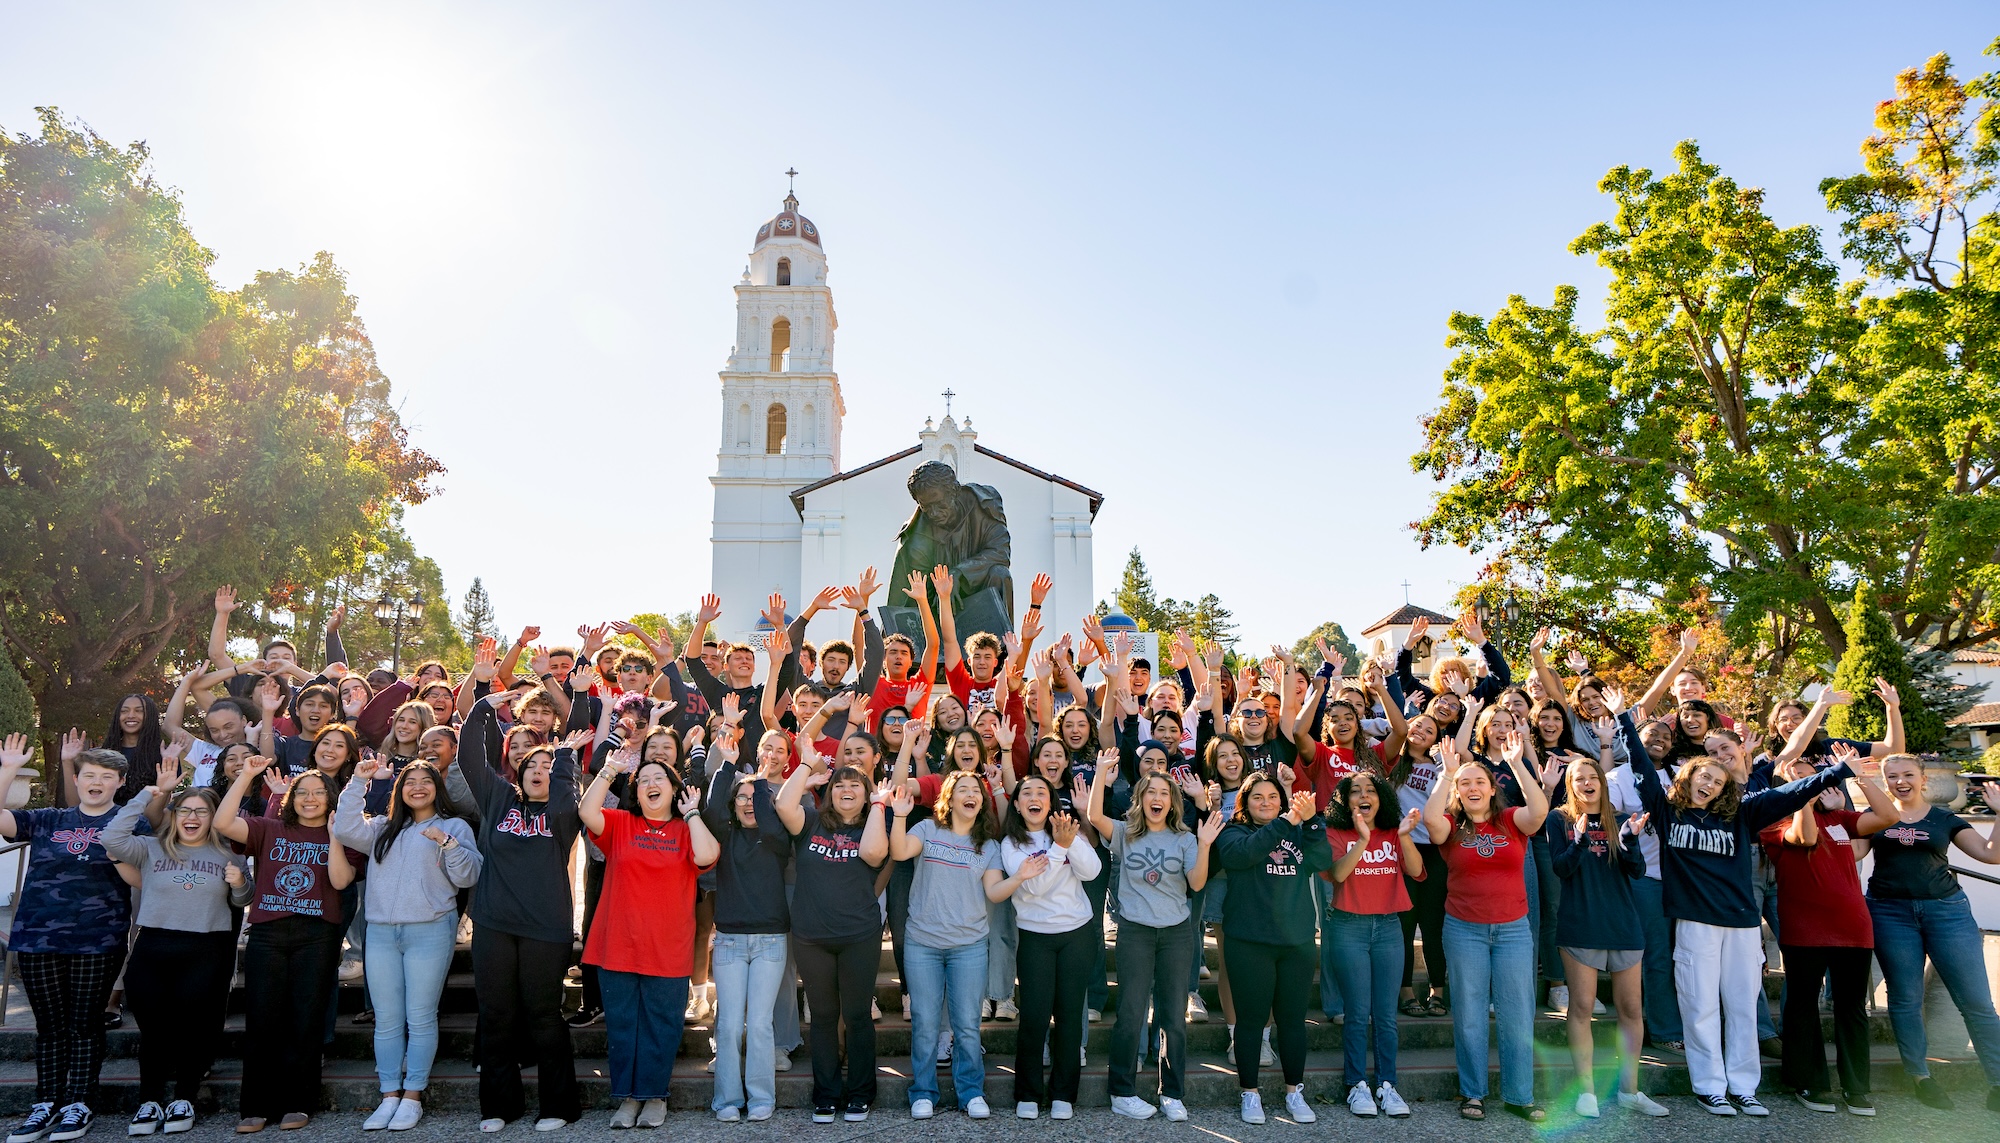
(836, 925)
(1163, 862)
(1595, 854)
(295, 924)
(177, 980)
(1271, 847)
(420, 855)
(1920, 912)
(1487, 936)
(1373, 853)
(1707, 826)
(956, 853)
(69, 931)
(1047, 861)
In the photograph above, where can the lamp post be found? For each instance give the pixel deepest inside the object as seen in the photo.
(1483, 609)
(1512, 608)
(395, 614)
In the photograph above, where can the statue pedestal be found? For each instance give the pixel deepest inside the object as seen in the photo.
(983, 611)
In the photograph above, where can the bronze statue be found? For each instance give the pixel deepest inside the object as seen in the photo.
(963, 527)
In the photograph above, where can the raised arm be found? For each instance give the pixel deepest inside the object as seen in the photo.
(902, 847)
(590, 811)
(228, 817)
(921, 595)
(777, 648)
(947, 622)
(513, 660)
(175, 715)
(1802, 737)
(1690, 639)
(14, 754)
(1551, 682)
(1435, 819)
(218, 631)
(1986, 849)
(1107, 765)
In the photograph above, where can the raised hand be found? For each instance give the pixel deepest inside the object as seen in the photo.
(593, 638)
(225, 599)
(857, 596)
(1107, 766)
(1886, 691)
(529, 634)
(1303, 807)
(1287, 777)
(1079, 790)
(1418, 629)
(1031, 629)
(1212, 797)
(582, 679)
(539, 663)
(690, 801)
(338, 617)
(774, 610)
(1410, 822)
(168, 775)
(827, 597)
(573, 739)
(695, 735)
(1578, 664)
(334, 671)
(663, 646)
(819, 779)
(268, 697)
(1690, 640)
(1614, 700)
(901, 802)
(1212, 657)
(1209, 829)
(14, 751)
(73, 745)
(996, 780)
(1460, 685)
(941, 579)
(778, 643)
(732, 709)
(1038, 588)
(1190, 786)
(1128, 703)
(1062, 830)
(708, 611)
(1003, 734)
(370, 767)
(918, 588)
(1474, 631)
(1539, 639)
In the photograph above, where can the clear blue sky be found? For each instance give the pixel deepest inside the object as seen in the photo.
(1198, 258)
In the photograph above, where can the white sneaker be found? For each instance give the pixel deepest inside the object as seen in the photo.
(1173, 1109)
(944, 1049)
(1006, 1010)
(491, 1126)
(1131, 1107)
(654, 1113)
(758, 1114)
(1093, 1016)
(1640, 1102)
(875, 1010)
(1197, 1012)
(1391, 1102)
(147, 1119)
(352, 970)
(1295, 1102)
(383, 1114)
(986, 1010)
(1266, 1058)
(1083, 1057)
(906, 1007)
(551, 1124)
(627, 1114)
(1025, 1110)
(977, 1108)
(781, 1060)
(1252, 1110)
(1360, 1102)
(1060, 1110)
(407, 1115)
(922, 1109)
(730, 1114)
(1586, 1105)
(180, 1117)
(1559, 997)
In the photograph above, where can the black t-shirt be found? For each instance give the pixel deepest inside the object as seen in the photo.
(833, 900)
(1910, 861)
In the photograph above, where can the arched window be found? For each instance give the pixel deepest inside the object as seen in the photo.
(784, 271)
(781, 346)
(774, 430)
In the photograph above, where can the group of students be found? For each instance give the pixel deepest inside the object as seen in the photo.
(737, 838)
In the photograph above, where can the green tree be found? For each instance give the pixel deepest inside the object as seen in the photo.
(17, 706)
(1210, 622)
(476, 620)
(160, 435)
(1306, 650)
(1746, 421)
(1136, 596)
(1205, 619)
(1873, 653)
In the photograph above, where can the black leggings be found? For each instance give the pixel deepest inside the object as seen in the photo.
(1426, 910)
(1270, 982)
(840, 982)
(593, 888)
(288, 971)
(1055, 970)
(177, 986)
(519, 982)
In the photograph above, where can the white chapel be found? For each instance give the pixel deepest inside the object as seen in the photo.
(789, 518)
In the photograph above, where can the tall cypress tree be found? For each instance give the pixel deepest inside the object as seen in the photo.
(1873, 652)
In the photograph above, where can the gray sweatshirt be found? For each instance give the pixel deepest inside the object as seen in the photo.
(419, 880)
(187, 895)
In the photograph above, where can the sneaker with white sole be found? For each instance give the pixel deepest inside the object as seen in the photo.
(1295, 1103)
(944, 1049)
(759, 1114)
(627, 1115)
(1093, 1016)
(1748, 1105)
(1817, 1100)
(379, 1119)
(976, 1108)
(781, 1060)
(1252, 1109)
(147, 1119)
(1131, 1107)
(875, 1010)
(72, 1122)
(855, 1113)
(825, 1115)
(180, 1117)
(551, 1124)
(1173, 1109)
(1006, 1010)
(1715, 1104)
(1586, 1104)
(906, 1007)
(1391, 1102)
(491, 1126)
(922, 1109)
(1559, 997)
(730, 1114)
(40, 1118)
(1197, 1011)
(1026, 1110)
(408, 1113)
(1640, 1102)
(653, 1114)
(352, 970)
(1059, 1109)
(1360, 1102)
(1266, 1058)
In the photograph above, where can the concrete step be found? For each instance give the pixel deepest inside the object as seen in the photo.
(350, 1087)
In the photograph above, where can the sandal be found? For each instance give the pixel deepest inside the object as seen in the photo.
(1532, 1112)
(365, 1016)
(1471, 1109)
(1414, 1007)
(1439, 1006)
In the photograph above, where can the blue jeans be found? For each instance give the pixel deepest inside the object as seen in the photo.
(1663, 1010)
(1496, 964)
(935, 976)
(748, 969)
(406, 967)
(1906, 932)
(1367, 954)
(643, 1019)
(1003, 942)
(1767, 908)
(1330, 984)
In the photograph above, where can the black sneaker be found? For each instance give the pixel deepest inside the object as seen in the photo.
(824, 1114)
(1748, 1105)
(856, 1112)
(147, 1119)
(40, 1118)
(1817, 1100)
(584, 1017)
(1715, 1104)
(1858, 1103)
(1932, 1094)
(73, 1123)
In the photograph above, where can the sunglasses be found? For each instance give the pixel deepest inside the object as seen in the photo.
(895, 719)
(1254, 712)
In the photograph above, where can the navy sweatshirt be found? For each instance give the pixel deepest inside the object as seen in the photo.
(1705, 869)
(1597, 907)
(524, 890)
(1271, 872)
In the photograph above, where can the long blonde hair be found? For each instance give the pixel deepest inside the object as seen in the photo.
(1135, 816)
(1571, 811)
(170, 836)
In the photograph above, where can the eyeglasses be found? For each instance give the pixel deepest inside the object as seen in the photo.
(192, 812)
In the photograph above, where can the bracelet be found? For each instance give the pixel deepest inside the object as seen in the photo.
(1034, 607)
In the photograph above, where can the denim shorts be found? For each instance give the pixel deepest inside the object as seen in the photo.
(1606, 960)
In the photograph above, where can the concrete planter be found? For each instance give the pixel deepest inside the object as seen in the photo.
(22, 789)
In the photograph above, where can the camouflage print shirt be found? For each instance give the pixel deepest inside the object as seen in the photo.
(72, 900)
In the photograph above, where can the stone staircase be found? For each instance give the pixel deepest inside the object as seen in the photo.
(1427, 1063)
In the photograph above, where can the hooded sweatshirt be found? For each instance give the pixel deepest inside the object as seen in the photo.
(524, 889)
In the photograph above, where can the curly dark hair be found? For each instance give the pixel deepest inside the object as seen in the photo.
(1340, 811)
